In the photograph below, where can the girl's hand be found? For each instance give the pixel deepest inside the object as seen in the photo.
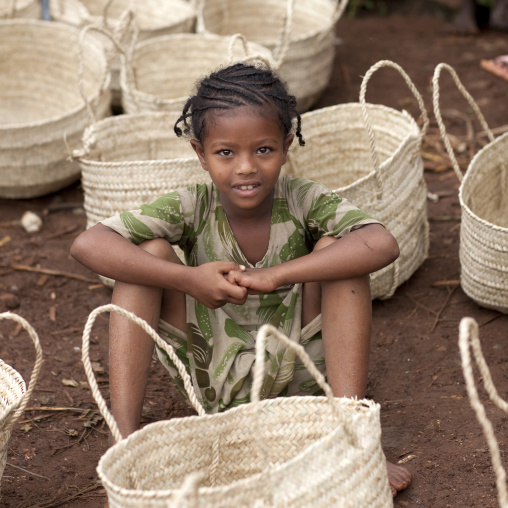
(256, 280)
(209, 284)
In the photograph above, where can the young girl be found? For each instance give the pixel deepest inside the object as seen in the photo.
(259, 248)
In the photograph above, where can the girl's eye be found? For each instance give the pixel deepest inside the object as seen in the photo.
(264, 149)
(226, 153)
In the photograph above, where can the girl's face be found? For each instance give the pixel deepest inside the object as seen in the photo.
(243, 151)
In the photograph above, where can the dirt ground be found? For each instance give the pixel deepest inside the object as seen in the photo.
(415, 371)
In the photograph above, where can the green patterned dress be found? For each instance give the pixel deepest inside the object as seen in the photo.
(218, 348)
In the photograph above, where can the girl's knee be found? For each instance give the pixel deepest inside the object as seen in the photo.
(160, 248)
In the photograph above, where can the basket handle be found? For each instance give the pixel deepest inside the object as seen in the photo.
(37, 366)
(365, 114)
(169, 350)
(469, 339)
(245, 46)
(437, 112)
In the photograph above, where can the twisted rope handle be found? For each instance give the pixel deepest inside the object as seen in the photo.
(169, 350)
(37, 366)
(365, 114)
(437, 112)
(231, 46)
(469, 339)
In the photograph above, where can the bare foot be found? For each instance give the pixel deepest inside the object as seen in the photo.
(398, 476)
(498, 66)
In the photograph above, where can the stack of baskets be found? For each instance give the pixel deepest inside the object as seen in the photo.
(42, 113)
(298, 32)
(483, 197)
(161, 73)
(152, 18)
(13, 392)
(20, 9)
(371, 155)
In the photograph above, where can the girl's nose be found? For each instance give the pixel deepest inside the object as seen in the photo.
(246, 166)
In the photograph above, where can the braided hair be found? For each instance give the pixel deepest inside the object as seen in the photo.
(235, 86)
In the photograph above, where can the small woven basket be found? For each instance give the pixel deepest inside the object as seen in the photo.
(483, 196)
(161, 73)
(42, 114)
(370, 155)
(469, 340)
(128, 160)
(299, 33)
(152, 18)
(294, 451)
(13, 392)
(30, 9)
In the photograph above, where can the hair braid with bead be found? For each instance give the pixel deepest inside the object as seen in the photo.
(236, 86)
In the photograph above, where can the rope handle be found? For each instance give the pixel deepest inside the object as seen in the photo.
(365, 114)
(437, 112)
(469, 340)
(256, 57)
(37, 366)
(169, 350)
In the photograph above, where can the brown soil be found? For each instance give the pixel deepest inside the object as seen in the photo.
(415, 366)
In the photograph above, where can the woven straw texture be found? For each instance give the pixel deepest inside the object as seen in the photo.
(128, 160)
(294, 451)
(298, 32)
(42, 114)
(13, 392)
(469, 340)
(161, 73)
(483, 196)
(380, 171)
(152, 18)
(20, 9)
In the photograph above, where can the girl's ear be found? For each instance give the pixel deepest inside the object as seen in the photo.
(198, 148)
(287, 144)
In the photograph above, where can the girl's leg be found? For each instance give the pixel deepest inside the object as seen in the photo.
(130, 348)
(346, 319)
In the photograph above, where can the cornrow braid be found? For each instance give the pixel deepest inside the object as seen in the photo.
(235, 86)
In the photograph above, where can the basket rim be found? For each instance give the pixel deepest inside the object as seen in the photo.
(465, 181)
(364, 405)
(45, 25)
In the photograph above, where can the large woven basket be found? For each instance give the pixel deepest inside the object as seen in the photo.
(128, 160)
(161, 73)
(300, 33)
(42, 113)
(483, 197)
(20, 9)
(295, 451)
(13, 392)
(152, 18)
(370, 155)
(469, 340)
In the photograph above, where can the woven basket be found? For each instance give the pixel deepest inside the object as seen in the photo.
(483, 197)
(294, 451)
(20, 9)
(161, 73)
(469, 340)
(13, 392)
(128, 160)
(42, 114)
(152, 18)
(300, 34)
(370, 155)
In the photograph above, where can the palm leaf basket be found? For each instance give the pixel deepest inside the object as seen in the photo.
(370, 155)
(13, 392)
(469, 340)
(128, 160)
(151, 18)
(483, 196)
(160, 74)
(30, 9)
(291, 451)
(42, 113)
(299, 33)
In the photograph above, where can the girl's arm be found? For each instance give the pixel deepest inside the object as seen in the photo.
(107, 253)
(360, 252)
